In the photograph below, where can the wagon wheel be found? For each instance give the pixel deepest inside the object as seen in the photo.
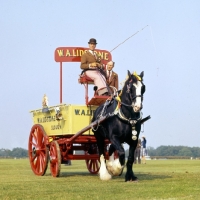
(93, 165)
(55, 159)
(37, 150)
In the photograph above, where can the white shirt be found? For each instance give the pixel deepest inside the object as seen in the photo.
(108, 74)
(93, 53)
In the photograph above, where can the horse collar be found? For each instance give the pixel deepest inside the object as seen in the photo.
(130, 121)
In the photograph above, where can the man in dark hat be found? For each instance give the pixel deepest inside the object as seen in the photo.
(90, 63)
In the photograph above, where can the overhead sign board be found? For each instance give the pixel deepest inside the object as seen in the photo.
(73, 54)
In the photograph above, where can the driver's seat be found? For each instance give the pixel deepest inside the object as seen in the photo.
(84, 79)
(96, 99)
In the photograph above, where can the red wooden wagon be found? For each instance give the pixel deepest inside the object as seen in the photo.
(60, 131)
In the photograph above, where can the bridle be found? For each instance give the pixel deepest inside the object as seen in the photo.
(131, 105)
(130, 96)
(119, 112)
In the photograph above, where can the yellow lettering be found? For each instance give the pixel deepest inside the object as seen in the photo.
(77, 53)
(101, 54)
(73, 53)
(106, 56)
(81, 52)
(60, 52)
(68, 53)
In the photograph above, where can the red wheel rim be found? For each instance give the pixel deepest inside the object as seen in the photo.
(55, 159)
(93, 166)
(38, 152)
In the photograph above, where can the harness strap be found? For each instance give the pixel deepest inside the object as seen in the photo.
(119, 100)
(120, 114)
(131, 121)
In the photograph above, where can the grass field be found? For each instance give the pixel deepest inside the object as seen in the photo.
(158, 179)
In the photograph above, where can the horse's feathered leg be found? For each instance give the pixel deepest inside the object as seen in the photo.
(120, 150)
(129, 174)
(100, 140)
(103, 172)
(116, 166)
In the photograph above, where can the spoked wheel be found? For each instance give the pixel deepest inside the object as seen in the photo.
(93, 165)
(37, 150)
(55, 159)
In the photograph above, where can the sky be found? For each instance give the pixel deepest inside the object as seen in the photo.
(167, 50)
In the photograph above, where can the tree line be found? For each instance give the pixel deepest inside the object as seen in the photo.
(159, 151)
(174, 151)
(15, 153)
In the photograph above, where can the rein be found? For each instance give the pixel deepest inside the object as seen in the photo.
(120, 114)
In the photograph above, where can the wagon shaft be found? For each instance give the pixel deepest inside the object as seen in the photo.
(94, 124)
(145, 119)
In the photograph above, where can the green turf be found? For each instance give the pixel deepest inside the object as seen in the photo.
(158, 179)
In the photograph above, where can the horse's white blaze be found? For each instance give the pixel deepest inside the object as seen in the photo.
(138, 102)
(103, 173)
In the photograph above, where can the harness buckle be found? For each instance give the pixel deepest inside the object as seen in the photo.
(132, 122)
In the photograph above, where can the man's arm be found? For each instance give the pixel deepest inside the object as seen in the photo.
(88, 62)
(84, 63)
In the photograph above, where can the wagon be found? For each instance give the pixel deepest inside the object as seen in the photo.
(64, 132)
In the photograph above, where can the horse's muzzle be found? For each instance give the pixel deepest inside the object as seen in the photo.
(137, 108)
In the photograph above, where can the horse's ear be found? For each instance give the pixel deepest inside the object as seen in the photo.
(129, 73)
(142, 74)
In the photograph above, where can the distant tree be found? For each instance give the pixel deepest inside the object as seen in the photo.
(5, 152)
(16, 152)
(19, 152)
(185, 151)
(151, 151)
(195, 151)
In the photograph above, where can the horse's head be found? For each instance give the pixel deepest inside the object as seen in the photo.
(134, 90)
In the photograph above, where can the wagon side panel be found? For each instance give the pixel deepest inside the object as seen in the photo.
(81, 117)
(72, 119)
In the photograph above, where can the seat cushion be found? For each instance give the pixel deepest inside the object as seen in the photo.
(85, 79)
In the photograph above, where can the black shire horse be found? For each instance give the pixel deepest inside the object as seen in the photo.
(123, 125)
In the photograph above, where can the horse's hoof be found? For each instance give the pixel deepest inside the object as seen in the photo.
(132, 180)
